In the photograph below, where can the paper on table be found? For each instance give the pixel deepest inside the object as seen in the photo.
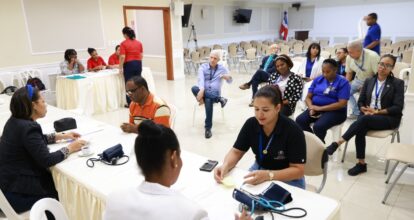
(228, 182)
(75, 77)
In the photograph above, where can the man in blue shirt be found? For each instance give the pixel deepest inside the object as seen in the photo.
(208, 90)
(373, 37)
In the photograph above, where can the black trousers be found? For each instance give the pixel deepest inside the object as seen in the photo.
(132, 68)
(260, 76)
(366, 123)
(322, 124)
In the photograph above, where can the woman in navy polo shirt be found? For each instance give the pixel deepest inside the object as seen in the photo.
(277, 141)
(326, 100)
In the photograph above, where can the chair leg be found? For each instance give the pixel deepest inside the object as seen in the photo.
(393, 137)
(343, 155)
(387, 164)
(393, 184)
(398, 136)
(325, 174)
(392, 171)
(194, 113)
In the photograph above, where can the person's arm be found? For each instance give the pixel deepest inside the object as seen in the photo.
(200, 83)
(397, 100)
(348, 70)
(331, 107)
(162, 116)
(64, 68)
(363, 94)
(372, 44)
(293, 90)
(69, 135)
(121, 63)
(80, 66)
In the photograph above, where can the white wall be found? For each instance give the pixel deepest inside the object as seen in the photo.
(340, 20)
(218, 27)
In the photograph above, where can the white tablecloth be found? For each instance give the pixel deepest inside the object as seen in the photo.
(97, 93)
(83, 190)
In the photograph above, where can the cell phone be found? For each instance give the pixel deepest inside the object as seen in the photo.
(209, 165)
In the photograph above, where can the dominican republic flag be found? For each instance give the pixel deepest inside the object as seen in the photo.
(284, 27)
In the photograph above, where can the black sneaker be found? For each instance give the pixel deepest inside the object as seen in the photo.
(332, 148)
(357, 169)
(223, 102)
(208, 133)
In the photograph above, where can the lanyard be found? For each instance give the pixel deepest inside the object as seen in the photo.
(265, 151)
(341, 70)
(268, 61)
(362, 64)
(377, 92)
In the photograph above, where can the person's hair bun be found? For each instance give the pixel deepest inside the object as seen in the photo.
(149, 128)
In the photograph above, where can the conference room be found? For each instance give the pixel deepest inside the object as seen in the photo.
(172, 81)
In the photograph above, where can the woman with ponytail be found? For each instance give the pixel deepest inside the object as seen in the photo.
(277, 141)
(130, 59)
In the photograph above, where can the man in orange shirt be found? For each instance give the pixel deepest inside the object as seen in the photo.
(144, 106)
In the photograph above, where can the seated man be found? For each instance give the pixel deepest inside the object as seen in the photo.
(208, 90)
(262, 74)
(144, 106)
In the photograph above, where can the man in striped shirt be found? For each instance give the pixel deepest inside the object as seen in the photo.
(144, 106)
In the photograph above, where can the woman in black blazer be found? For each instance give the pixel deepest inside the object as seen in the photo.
(381, 101)
(24, 156)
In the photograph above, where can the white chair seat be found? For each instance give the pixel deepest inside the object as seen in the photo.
(380, 134)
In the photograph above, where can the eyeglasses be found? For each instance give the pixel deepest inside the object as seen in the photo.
(389, 66)
(129, 92)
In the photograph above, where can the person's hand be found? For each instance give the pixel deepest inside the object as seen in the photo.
(72, 61)
(128, 128)
(71, 135)
(316, 108)
(312, 112)
(219, 174)
(256, 177)
(364, 110)
(243, 216)
(76, 145)
(200, 95)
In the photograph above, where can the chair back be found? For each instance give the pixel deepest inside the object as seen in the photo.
(251, 54)
(325, 54)
(173, 115)
(216, 47)
(406, 56)
(2, 86)
(6, 208)
(316, 158)
(195, 56)
(47, 204)
(297, 48)
(398, 67)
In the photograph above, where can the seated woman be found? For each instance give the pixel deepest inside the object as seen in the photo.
(113, 61)
(158, 155)
(289, 84)
(24, 156)
(312, 67)
(381, 101)
(341, 55)
(71, 64)
(278, 143)
(326, 100)
(95, 63)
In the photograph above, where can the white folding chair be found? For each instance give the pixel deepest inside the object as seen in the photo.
(7, 212)
(47, 204)
(173, 115)
(316, 159)
(401, 153)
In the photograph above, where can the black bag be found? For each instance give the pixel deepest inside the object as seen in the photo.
(110, 156)
(9, 90)
(36, 82)
(64, 124)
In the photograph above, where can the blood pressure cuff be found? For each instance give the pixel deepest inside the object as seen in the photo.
(272, 193)
(64, 124)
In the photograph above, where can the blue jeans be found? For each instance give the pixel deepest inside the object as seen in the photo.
(356, 85)
(300, 183)
(322, 124)
(209, 100)
(260, 76)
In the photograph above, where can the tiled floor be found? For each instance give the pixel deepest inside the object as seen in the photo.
(360, 196)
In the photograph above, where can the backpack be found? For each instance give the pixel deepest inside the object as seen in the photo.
(36, 82)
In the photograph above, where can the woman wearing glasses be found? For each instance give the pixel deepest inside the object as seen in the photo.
(326, 101)
(24, 156)
(381, 101)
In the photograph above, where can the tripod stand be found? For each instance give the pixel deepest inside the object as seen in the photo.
(193, 33)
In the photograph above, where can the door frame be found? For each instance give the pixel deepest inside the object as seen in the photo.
(167, 34)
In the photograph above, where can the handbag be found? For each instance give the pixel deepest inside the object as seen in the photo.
(273, 199)
(109, 156)
(64, 124)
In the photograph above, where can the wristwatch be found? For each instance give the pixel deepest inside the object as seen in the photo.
(271, 175)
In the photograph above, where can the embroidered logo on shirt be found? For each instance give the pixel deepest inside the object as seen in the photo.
(280, 155)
